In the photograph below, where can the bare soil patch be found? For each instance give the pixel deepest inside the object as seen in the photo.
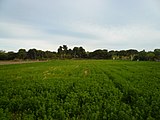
(17, 62)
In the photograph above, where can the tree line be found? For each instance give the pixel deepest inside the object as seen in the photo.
(64, 52)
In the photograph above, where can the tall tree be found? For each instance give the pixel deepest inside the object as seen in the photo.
(82, 52)
(99, 54)
(32, 54)
(65, 50)
(60, 51)
(22, 54)
(40, 54)
(69, 53)
(142, 55)
(150, 56)
(11, 55)
(113, 54)
(132, 53)
(157, 54)
(75, 52)
(3, 55)
(50, 55)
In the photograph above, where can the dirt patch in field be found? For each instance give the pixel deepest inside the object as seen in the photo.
(86, 72)
(17, 62)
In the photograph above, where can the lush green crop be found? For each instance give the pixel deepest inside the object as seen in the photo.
(80, 89)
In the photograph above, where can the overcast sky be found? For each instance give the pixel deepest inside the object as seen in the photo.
(93, 24)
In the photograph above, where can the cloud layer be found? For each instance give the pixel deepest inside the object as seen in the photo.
(92, 24)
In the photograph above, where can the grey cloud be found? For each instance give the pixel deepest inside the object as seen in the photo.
(92, 23)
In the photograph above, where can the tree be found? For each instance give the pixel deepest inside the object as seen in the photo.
(113, 54)
(32, 54)
(11, 55)
(40, 54)
(150, 56)
(132, 53)
(82, 52)
(65, 50)
(69, 53)
(79, 52)
(3, 55)
(157, 54)
(60, 51)
(142, 55)
(122, 54)
(75, 52)
(99, 54)
(22, 54)
(50, 55)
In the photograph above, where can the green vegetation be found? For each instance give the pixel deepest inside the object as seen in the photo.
(80, 53)
(80, 89)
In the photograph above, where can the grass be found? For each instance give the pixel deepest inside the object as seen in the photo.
(80, 89)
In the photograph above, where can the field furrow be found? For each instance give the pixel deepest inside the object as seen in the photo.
(80, 89)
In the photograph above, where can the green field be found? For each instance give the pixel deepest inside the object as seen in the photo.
(80, 89)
